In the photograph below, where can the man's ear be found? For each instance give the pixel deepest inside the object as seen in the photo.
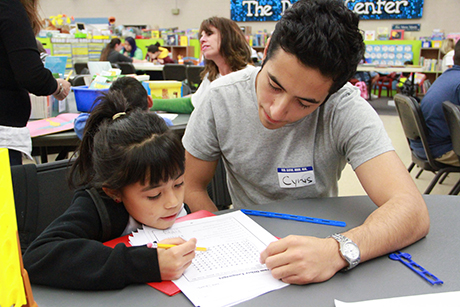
(112, 193)
(149, 101)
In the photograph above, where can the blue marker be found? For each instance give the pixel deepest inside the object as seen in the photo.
(293, 217)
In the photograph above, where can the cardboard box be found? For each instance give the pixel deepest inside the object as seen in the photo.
(165, 89)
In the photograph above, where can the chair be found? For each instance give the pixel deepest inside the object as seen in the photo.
(385, 82)
(218, 189)
(452, 115)
(415, 129)
(192, 73)
(126, 68)
(174, 72)
(81, 68)
(78, 80)
(41, 194)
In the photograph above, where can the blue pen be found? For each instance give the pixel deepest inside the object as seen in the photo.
(293, 217)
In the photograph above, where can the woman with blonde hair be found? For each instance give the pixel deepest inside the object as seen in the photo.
(22, 72)
(447, 48)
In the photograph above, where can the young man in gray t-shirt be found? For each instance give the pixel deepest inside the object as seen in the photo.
(287, 131)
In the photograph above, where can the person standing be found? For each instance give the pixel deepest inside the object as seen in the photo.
(22, 72)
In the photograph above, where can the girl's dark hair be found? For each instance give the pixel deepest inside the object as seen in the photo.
(322, 34)
(233, 46)
(132, 42)
(109, 47)
(127, 148)
(152, 48)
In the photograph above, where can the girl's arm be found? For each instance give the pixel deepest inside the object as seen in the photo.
(70, 254)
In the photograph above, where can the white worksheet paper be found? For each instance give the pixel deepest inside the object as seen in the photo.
(229, 272)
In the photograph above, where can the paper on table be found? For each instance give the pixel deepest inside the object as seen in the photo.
(445, 299)
(166, 286)
(170, 116)
(230, 271)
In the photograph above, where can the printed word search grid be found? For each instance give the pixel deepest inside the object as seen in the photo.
(229, 271)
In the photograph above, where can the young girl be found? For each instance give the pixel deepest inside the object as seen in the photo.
(130, 169)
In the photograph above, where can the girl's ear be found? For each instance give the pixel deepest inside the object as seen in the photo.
(112, 193)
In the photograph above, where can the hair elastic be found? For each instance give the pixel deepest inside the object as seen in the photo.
(118, 115)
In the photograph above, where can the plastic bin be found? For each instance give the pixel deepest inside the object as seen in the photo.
(165, 89)
(84, 97)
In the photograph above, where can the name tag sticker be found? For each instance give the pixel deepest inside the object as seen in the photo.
(296, 177)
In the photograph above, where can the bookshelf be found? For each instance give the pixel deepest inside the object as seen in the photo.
(430, 59)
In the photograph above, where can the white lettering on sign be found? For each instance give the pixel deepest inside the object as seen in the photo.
(375, 8)
(256, 10)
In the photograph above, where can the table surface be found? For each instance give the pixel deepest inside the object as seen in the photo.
(390, 69)
(148, 66)
(69, 138)
(375, 279)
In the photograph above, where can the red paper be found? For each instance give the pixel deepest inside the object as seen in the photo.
(167, 286)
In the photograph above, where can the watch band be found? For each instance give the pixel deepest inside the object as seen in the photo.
(352, 261)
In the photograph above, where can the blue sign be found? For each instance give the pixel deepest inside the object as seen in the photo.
(386, 9)
(258, 10)
(411, 28)
(272, 10)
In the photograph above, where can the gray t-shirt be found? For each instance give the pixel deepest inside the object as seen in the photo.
(300, 160)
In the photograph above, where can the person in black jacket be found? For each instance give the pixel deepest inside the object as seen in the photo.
(129, 170)
(22, 71)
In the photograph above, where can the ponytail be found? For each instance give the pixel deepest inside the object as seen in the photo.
(122, 145)
(109, 104)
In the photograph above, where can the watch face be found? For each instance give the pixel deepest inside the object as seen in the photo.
(350, 250)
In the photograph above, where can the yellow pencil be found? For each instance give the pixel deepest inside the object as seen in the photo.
(68, 77)
(166, 246)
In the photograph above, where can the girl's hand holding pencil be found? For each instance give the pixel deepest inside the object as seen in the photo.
(174, 260)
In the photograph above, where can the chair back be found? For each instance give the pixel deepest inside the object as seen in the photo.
(41, 194)
(193, 76)
(174, 72)
(79, 80)
(452, 115)
(414, 125)
(81, 68)
(126, 68)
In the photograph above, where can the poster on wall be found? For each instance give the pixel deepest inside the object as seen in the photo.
(272, 10)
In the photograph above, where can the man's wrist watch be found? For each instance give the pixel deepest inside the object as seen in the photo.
(348, 250)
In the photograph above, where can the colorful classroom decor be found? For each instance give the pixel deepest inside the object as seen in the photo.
(15, 287)
(391, 55)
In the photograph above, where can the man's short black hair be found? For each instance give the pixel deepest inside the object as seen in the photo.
(322, 34)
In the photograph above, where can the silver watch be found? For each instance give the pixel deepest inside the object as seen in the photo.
(348, 250)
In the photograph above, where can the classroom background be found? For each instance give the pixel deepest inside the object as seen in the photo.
(437, 14)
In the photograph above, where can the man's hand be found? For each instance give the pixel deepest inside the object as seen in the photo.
(302, 259)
